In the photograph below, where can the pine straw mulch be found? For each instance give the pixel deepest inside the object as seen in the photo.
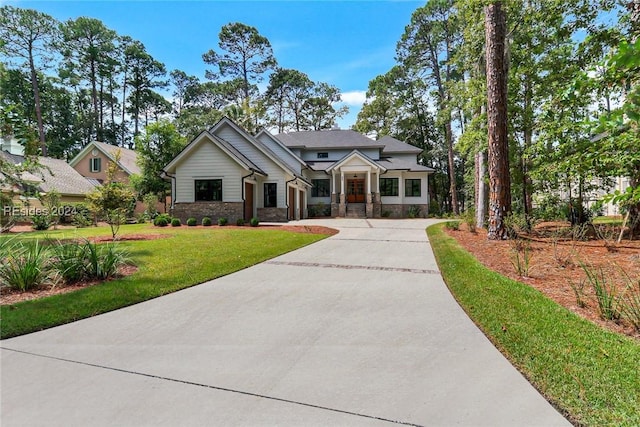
(10, 296)
(556, 265)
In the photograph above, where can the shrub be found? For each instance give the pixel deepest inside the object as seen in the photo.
(41, 222)
(69, 260)
(102, 261)
(175, 222)
(82, 216)
(191, 222)
(386, 214)
(521, 256)
(469, 217)
(434, 208)
(609, 301)
(222, 221)
(414, 211)
(206, 221)
(631, 304)
(162, 220)
(453, 225)
(27, 266)
(240, 222)
(516, 223)
(254, 222)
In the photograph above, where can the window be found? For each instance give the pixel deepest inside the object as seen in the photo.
(270, 195)
(388, 186)
(95, 164)
(412, 187)
(320, 188)
(208, 190)
(323, 155)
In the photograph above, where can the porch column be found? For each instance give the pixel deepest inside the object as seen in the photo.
(368, 181)
(342, 209)
(369, 200)
(334, 199)
(297, 213)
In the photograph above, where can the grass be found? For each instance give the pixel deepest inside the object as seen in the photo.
(590, 374)
(187, 257)
(609, 220)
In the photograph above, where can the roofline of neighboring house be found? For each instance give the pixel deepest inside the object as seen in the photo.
(94, 144)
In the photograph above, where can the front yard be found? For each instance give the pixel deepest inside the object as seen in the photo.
(174, 259)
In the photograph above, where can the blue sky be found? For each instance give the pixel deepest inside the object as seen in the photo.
(343, 43)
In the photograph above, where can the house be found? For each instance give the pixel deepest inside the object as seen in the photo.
(226, 172)
(54, 174)
(93, 160)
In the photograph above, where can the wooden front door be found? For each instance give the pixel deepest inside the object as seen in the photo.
(248, 201)
(292, 203)
(355, 191)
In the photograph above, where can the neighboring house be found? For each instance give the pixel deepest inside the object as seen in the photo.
(92, 162)
(226, 172)
(54, 174)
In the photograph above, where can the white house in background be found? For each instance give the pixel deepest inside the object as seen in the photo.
(226, 172)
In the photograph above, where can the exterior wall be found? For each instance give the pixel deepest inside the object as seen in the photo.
(335, 155)
(83, 168)
(282, 153)
(401, 199)
(316, 200)
(402, 211)
(272, 214)
(214, 210)
(207, 161)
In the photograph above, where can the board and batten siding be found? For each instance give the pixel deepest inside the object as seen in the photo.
(274, 172)
(208, 161)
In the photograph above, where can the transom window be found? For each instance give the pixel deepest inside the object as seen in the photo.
(320, 188)
(412, 187)
(270, 195)
(208, 190)
(95, 164)
(323, 155)
(388, 186)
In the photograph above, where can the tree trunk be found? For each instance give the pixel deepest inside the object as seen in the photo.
(448, 134)
(481, 189)
(36, 98)
(498, 153)
(94, 98)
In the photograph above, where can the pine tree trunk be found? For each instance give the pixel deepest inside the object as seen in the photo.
(498, 152)
(481, 189)
(36, 98)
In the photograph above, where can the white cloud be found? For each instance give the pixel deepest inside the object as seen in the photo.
(354, 98)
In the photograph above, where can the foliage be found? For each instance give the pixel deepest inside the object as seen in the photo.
(414, 211)
(191, 222)
(469, 218)
(453, 225)
(631, 304)
(175, 222)
(206, 221)
(568, 359)
(521, 256)
(222, 221)
(26, 266)
(240, 222)
(254, 222)
(162, 220)
(41, 222)
(609, 301)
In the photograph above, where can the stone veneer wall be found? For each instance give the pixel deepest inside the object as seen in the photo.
(272, 214)
(214, 210)
(402, 211)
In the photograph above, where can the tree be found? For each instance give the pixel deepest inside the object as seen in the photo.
(246, 55)
(159, 144)
(181, 83)
(499, 178)
(112, 200)
(28, 35)
(87, 47)
(285, 96)
(319, 112)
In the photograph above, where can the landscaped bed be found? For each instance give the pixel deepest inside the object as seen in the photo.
(589, 373)
(171, 259)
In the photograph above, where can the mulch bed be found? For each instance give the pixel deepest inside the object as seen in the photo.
(556, 265)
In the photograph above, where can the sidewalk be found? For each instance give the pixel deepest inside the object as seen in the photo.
(358, 329)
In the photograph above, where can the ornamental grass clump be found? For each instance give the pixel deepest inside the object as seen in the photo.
(26, 266)
(68, 260)
(607, 296)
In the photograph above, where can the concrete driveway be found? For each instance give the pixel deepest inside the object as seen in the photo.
(358, 329)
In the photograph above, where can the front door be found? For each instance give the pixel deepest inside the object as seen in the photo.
(355, 191)
(248, 201)
(292, 203)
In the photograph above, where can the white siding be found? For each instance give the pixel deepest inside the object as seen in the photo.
(283, 154)
(401, 199)
(207, 161)
(275, 172)
(319, 175)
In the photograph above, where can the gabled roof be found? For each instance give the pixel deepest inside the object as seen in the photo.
(258, 144)
(392, 163)
(334, 138)
(392, 145)
(284, 147)
(55, 174)
(227, 148)
(127, 157)
(352, 155)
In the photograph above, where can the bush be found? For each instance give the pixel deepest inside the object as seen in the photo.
(175, 222)
(453, 225)
(254, 222)
(385, 214)
(434, 208)
(549, 208)
(240, 222)
(162, 220)
(41, 222)
(414, 211)
(191, 222)
(222, 221)
(102, 262)
(206, 221)
(69, 260)
(27, 266)
(469, 217)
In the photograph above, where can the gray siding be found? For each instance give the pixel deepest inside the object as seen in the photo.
(335, 155)
(207, 161)
(282, 153)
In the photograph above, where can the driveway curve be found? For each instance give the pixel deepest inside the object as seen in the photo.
(358, 329)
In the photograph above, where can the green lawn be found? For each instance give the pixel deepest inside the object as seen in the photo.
(590, 374)
(185, 257)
